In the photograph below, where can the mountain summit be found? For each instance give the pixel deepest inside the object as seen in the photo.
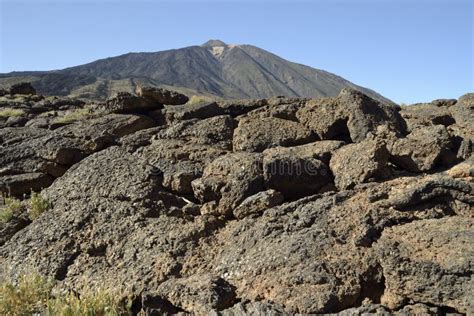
(212, 69)
(214, 43)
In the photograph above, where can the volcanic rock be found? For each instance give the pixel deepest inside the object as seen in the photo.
(162, 96)
(349, 116)
(22, 88)
(256, 134)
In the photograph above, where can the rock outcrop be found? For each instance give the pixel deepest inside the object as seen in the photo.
(276, 206)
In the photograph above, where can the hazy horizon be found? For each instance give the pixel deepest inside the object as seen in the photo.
(408, 52)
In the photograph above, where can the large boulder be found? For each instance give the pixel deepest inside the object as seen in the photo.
(429, 261)
(178, 162)
(434, 113)
(315, 255)
(191, 111)
(463, 114)
(423, 149)
(350, 116)
(22, 88)
(229, 180)
(216, 131)
(31, 158)
(295, 176)
(256, 134)
(162, 96)
(124, 102)
(201, 294)
(358, 163)
(107, 208)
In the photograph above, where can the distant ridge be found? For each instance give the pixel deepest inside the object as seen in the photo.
(212, 69)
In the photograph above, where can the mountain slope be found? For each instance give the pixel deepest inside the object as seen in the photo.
(214, 68)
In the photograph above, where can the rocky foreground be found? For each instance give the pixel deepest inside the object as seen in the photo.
(282, 205)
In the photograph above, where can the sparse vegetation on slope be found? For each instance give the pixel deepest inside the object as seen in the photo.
(37, 205)
(9, 208)
(76, 115)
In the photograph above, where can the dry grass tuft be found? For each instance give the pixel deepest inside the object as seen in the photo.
(9, 112)
(33, 295)
(76, 115)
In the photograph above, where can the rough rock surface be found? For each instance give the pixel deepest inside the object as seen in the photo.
(429, 261)
(124, 102)
(423, 149)
(349, 116)
(22, 88)
(359, 163)
(267, 207)
(257, 134)
(162, 96)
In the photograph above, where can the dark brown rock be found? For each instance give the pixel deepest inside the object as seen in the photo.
(295, 176)
(124, 102)
(423, 149)
(358, 163)
(162, 96)
(22, 88)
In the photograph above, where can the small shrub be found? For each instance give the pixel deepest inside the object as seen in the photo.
(99, 302)
(76, 115)
(33, 295)
(196, 99)
(8, 112)
(9, 208)
(27, 297)
(37, 206)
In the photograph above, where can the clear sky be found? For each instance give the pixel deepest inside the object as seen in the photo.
(409, 51)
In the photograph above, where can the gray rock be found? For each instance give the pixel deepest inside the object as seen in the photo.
(191, 111)
(320, 150)
(199, 294)
(257, 203)
(256, 134)
(429, 261)
(16, 121)
(350, 116)
(229, 180)
(216, 131)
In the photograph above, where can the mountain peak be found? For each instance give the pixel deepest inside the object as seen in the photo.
(214, 43)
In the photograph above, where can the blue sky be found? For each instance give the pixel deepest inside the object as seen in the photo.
(409, 51)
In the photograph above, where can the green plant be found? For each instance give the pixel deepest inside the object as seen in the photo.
(8, 112)
(9, 208)
(76, 115)
(27, 297)
(37, 205)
